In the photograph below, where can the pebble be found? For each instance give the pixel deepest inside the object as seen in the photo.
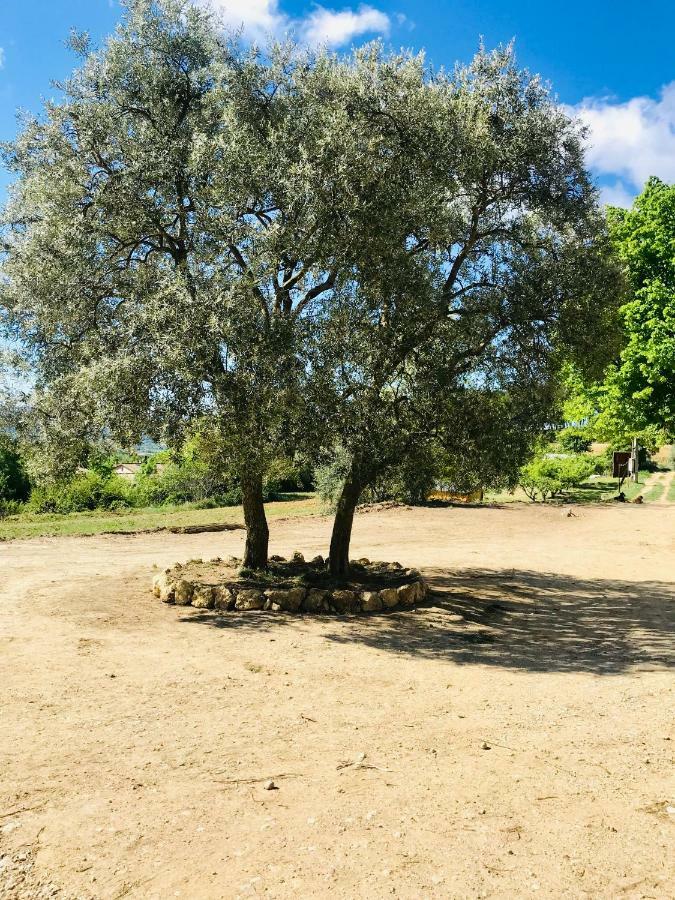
(269, 785)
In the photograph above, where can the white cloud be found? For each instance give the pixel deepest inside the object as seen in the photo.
(258, 19)
(2, 57)
(262, 19)
(631, 140)
(323, 27)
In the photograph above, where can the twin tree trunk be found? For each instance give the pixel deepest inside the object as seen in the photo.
(257, 532)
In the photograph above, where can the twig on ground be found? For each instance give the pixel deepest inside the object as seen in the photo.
(256, 780)
(21, 809)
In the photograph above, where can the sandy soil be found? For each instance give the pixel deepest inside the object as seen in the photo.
(513, 738)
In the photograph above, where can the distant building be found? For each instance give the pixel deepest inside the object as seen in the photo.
(131, 470)
(127, 470)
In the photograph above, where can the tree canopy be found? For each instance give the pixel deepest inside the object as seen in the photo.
(298, 249)
(636, 395)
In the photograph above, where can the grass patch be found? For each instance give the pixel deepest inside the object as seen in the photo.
(670, 496)
(591, 491)
(30, 525)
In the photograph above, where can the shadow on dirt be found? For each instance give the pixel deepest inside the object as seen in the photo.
(529, 620)
(510, 619)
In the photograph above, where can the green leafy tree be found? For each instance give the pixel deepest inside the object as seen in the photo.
(640, 387)
(574, 440)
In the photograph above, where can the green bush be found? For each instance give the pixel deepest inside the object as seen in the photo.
(85, 491)
(550, 476)
(10, 507)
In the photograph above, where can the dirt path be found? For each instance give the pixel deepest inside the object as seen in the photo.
(666, 479)
(135, 736)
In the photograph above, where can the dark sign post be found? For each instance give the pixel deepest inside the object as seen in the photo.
(621, 465)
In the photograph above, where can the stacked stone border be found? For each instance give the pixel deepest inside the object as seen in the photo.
(171, 586)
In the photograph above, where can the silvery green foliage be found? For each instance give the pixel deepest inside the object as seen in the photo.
(166, 236)
(496, 269)
(292, 244)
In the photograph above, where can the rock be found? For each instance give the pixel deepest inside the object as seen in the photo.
(269, 785)
(412, 573)
(215, 559)
(163, 586)
(318, 561)
(223, 598)
(289, 600)
(183, 593)
(389, 598)
(202, 597)
(394, 566)
(276, 558)
(345, 601)
(371, 601)
(639, 499)
(297, 557)
(316, 600)
(408, 593)
(364, 561)
(249, 599)
(485, 746)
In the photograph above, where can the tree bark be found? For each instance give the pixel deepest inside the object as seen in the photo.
(342, 525)
(257, 532)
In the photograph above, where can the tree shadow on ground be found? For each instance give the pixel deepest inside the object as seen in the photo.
(511, 619)
(531, 621)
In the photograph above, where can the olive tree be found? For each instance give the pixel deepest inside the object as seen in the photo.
(176, 217)
(491, 268)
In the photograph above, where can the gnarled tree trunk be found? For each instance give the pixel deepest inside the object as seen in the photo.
(257, 532)
(342, 525)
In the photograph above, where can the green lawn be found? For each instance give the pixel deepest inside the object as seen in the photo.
(28, 525)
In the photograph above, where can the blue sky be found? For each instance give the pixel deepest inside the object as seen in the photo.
(613, 63)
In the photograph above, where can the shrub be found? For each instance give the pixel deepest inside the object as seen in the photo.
(85, 491)
(10, 507)
(550, 476)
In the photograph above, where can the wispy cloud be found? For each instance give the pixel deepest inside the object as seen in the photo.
(323, 27)
(2, 57)
(258, 19)
(630, 141)
(262, 19)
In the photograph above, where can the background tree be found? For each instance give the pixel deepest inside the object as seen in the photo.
(637, 395)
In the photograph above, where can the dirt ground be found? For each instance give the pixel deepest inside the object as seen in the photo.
(512, 738)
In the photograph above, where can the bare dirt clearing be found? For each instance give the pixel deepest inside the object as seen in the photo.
(517, 729)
